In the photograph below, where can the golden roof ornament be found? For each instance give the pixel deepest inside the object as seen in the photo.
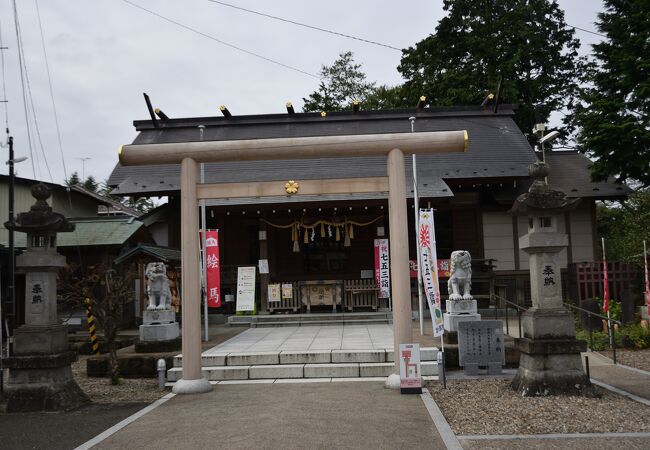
(291, 187)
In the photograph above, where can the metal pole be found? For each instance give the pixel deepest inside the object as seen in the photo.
(416, 207)
(613, 341)
(204, 283)
(12, 250)
(416, 203)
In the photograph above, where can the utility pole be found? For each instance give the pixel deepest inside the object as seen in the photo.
(12, 250)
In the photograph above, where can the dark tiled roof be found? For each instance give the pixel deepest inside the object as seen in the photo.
(497, 148)
(569, 172)
(164, 254)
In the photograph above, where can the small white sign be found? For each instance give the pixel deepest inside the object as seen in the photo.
(263, 265)
(367, 273)
(246, 288)
(275, 293)
(410, 374)
(287, 291)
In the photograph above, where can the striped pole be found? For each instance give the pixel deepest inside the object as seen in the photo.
(91, 326)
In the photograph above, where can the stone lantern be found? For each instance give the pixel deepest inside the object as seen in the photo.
(40, 377)
(550, 361)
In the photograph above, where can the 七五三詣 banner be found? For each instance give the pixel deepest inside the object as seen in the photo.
(382, 270)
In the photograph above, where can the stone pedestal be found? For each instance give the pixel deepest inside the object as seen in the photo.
(459, 311)
(159, 325)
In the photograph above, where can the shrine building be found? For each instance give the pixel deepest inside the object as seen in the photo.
(327, 240)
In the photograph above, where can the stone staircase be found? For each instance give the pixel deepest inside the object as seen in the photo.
(315, 365)
(296, 320)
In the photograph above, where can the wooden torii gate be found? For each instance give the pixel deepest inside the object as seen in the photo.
(189, 154)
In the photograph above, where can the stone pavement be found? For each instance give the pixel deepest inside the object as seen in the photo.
(628, 379)
(275, 339)
(362, 415)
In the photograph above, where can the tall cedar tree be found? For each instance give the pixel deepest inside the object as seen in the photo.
(526, 42)
(341, 84)
(614, 119)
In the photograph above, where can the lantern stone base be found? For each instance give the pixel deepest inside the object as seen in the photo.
(548, 323)
(35, 339)
(451, 320)
(551, 367)
(42, 383)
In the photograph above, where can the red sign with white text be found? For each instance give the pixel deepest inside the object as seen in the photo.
(212, 263)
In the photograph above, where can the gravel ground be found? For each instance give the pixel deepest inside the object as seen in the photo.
(492, 407)
(134, 390)
(639, 359)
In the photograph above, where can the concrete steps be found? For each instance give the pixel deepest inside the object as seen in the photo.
(296, 320)
(314, 364)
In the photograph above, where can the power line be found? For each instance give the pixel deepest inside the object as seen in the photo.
(22, 82)
(587, 31)
(193, 30)
(21, 48)
(30, 97)
(4, 84)
(49, 79)
(324, 30)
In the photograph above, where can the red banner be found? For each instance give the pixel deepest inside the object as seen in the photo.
(605, 282)
(212, 263)
(647, 284)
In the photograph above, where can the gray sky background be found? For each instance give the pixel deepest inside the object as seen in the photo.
(103, 54)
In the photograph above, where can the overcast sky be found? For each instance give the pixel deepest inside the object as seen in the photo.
(103, 54)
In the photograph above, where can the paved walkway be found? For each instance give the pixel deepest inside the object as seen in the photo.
(331, 337)
(321, 416)
(628, 379)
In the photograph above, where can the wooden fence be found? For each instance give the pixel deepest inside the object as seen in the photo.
(586, 279)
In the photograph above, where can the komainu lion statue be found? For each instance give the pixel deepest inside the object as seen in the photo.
(460, 280)
(160, 297)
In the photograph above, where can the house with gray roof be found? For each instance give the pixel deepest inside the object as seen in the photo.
(471, 193)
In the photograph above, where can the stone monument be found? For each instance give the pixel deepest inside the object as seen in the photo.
(460, 306)
(159, 326)
(40, 377)
(550, 361)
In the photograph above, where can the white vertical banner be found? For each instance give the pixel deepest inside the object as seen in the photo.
(429, 259)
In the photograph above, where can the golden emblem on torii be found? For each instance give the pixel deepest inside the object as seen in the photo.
(291, 187)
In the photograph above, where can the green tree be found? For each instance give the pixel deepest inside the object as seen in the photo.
(341, 84)
(614, 117)
(90, 184)
(526, 43)
(625, 226)
(73, 179)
